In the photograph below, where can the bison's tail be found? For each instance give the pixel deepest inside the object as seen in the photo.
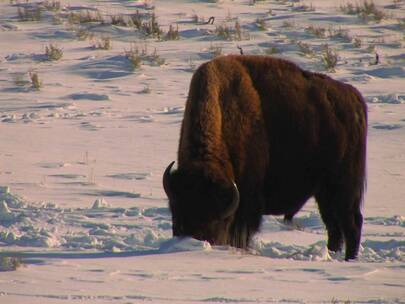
(362, 152)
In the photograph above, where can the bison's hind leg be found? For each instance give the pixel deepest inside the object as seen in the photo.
(352, 221)
(340, 211)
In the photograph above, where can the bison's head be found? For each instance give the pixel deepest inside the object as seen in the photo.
(202, 207)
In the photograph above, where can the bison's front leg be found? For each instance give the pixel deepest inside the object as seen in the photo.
(329, 216)
(246, 223)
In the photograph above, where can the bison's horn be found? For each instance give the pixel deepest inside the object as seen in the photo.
(166, 180)
(235, 203)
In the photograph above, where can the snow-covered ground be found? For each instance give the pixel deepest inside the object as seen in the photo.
(81, 159)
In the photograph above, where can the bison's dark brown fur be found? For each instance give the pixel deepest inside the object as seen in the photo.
(282, 135)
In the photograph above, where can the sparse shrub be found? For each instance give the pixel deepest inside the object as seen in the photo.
(340, 34)
(357, 42)
(305, 49)
(146, 90)
(83, 34)
(36, 83)
(9, 263)
(223, 31)
(261, 24)
(215, 50)
(57, 19)
(329, 58)
(366, 11)
(53, 6)
(151, 28)
(30, 13)
(228, 32)
(370, 10)
(53, 53)
(103, 43)
(317, 31)
(401, 23)
(349, 9)
(288, 24)
(85, 17)
(120, 20)
(172, 34)
(272, 50)
(238, 31)
(156, 59)
(134, 58)
(136, 19)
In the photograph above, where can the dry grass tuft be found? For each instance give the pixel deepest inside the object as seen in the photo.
(172, 33)
(137, 56)
(103, 43)
(305, 49)
(261, 24)
(85, 17)
(134, 58)
(53, 53)
(30, 13)
(9, 263)
(53, 6)
(329, 58)
(317, 31)
(272, 50)
(215, 50)
(151, 28)
(228, 32)
(36, 83)
(367, 11)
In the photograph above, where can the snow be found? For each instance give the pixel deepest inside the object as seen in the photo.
(81, 160)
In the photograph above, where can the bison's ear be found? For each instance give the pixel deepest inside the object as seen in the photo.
(167, 181)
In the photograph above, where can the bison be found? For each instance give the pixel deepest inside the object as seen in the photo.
(261, 136)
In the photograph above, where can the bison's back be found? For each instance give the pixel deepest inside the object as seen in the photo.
(316, 131)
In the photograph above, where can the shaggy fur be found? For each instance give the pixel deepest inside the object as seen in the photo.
(282, 135)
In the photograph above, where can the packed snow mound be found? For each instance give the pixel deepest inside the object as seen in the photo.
(100, 203)
(12, 201)
(370, 251)
(389, 99)
(184, 244)
(383, 251)
(276, 250)
(104, 228)
(396, 220)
